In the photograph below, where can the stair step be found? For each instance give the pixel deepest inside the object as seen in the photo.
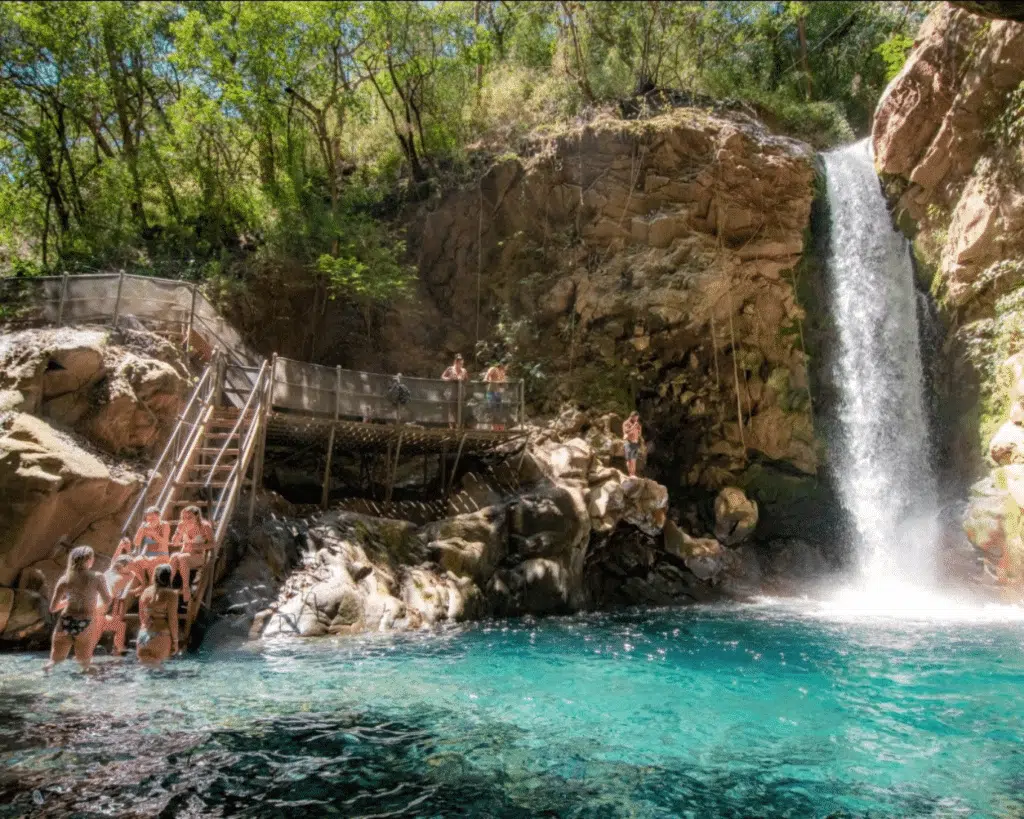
(215, 450)
(213, 485)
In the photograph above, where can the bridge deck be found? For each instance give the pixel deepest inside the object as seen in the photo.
(287, 427)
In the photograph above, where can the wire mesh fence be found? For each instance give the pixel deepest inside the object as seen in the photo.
(347, 394)
(172, 305)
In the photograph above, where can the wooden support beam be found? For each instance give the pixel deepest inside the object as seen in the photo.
(330, 442)
(394, 472)
(327, 470)
(455, 468)
(443, 471)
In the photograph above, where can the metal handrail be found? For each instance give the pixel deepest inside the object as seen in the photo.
(234, 430)
(170, 445)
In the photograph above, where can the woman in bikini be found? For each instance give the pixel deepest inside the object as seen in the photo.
(124, 583)
(194, 536)
(152, 542)
(75, 598)
(158, 620)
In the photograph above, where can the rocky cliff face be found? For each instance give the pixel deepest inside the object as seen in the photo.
(77, 407)
(555, 529)
(949, 142)
(648, 264)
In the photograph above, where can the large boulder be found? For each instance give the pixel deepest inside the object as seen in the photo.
(122, 389)
(25, 618)
(469, 545)
(53, 489)
(1007, 445)
(735, 516)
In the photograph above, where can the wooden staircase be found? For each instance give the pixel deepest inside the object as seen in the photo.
(205, 463)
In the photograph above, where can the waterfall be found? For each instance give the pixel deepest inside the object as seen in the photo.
(882, 461)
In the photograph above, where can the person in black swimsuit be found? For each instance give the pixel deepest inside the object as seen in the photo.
(75, 596)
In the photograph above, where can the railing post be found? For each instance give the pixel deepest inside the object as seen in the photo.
(191, 317)
(218, 385)
(325, 494)
(461, 397)
(117, 301)
(63, 297)
(261, 446)
(270, 386)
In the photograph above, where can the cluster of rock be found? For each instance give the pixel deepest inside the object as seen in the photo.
(943, 143)
(575, 533)
(75, 406)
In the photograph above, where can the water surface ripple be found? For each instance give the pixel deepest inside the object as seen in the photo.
(761, 710)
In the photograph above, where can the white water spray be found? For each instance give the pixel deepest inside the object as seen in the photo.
(885, 479)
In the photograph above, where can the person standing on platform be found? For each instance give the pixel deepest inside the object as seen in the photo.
(632, 436)
(456, 372)
(495, 379)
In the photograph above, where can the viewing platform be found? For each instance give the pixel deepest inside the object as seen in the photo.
(242, 403)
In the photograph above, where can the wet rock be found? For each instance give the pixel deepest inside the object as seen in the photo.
(1007, 445)
(25, 620)
(735, 516)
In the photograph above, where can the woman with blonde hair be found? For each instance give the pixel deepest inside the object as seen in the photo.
(194, 536)
(152, 541)
(74, 597)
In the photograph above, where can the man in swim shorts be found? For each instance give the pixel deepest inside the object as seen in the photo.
(631, 436)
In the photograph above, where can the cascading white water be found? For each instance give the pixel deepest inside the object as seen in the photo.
(885, 478)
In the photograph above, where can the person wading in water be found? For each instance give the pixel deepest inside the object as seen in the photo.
(75, 597)
(632, 434)
(158, 619)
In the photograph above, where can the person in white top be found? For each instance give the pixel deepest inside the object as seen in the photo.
(456, 372)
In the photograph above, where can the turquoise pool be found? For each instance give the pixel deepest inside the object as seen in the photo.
(757, 710)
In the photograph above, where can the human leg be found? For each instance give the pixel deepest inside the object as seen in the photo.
(153, 649)
(60, 647)
(85, 644)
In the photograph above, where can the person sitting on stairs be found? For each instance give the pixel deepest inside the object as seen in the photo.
(194, 536)
(152, 541)
(123, 583)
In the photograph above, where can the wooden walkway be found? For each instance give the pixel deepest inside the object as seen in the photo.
(243, 401)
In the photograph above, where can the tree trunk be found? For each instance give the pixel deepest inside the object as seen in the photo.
(803, 55)
(125, 123)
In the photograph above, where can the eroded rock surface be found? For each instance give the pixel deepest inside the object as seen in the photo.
(944, 142)
(73, 403)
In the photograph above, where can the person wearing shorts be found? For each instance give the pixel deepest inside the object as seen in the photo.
(631, 436)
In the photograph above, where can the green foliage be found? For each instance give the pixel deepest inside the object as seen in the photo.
(184, 137)
(893, 51)
(1008, 129)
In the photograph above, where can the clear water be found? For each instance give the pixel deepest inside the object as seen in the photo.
(761, 710)
(885, 477)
